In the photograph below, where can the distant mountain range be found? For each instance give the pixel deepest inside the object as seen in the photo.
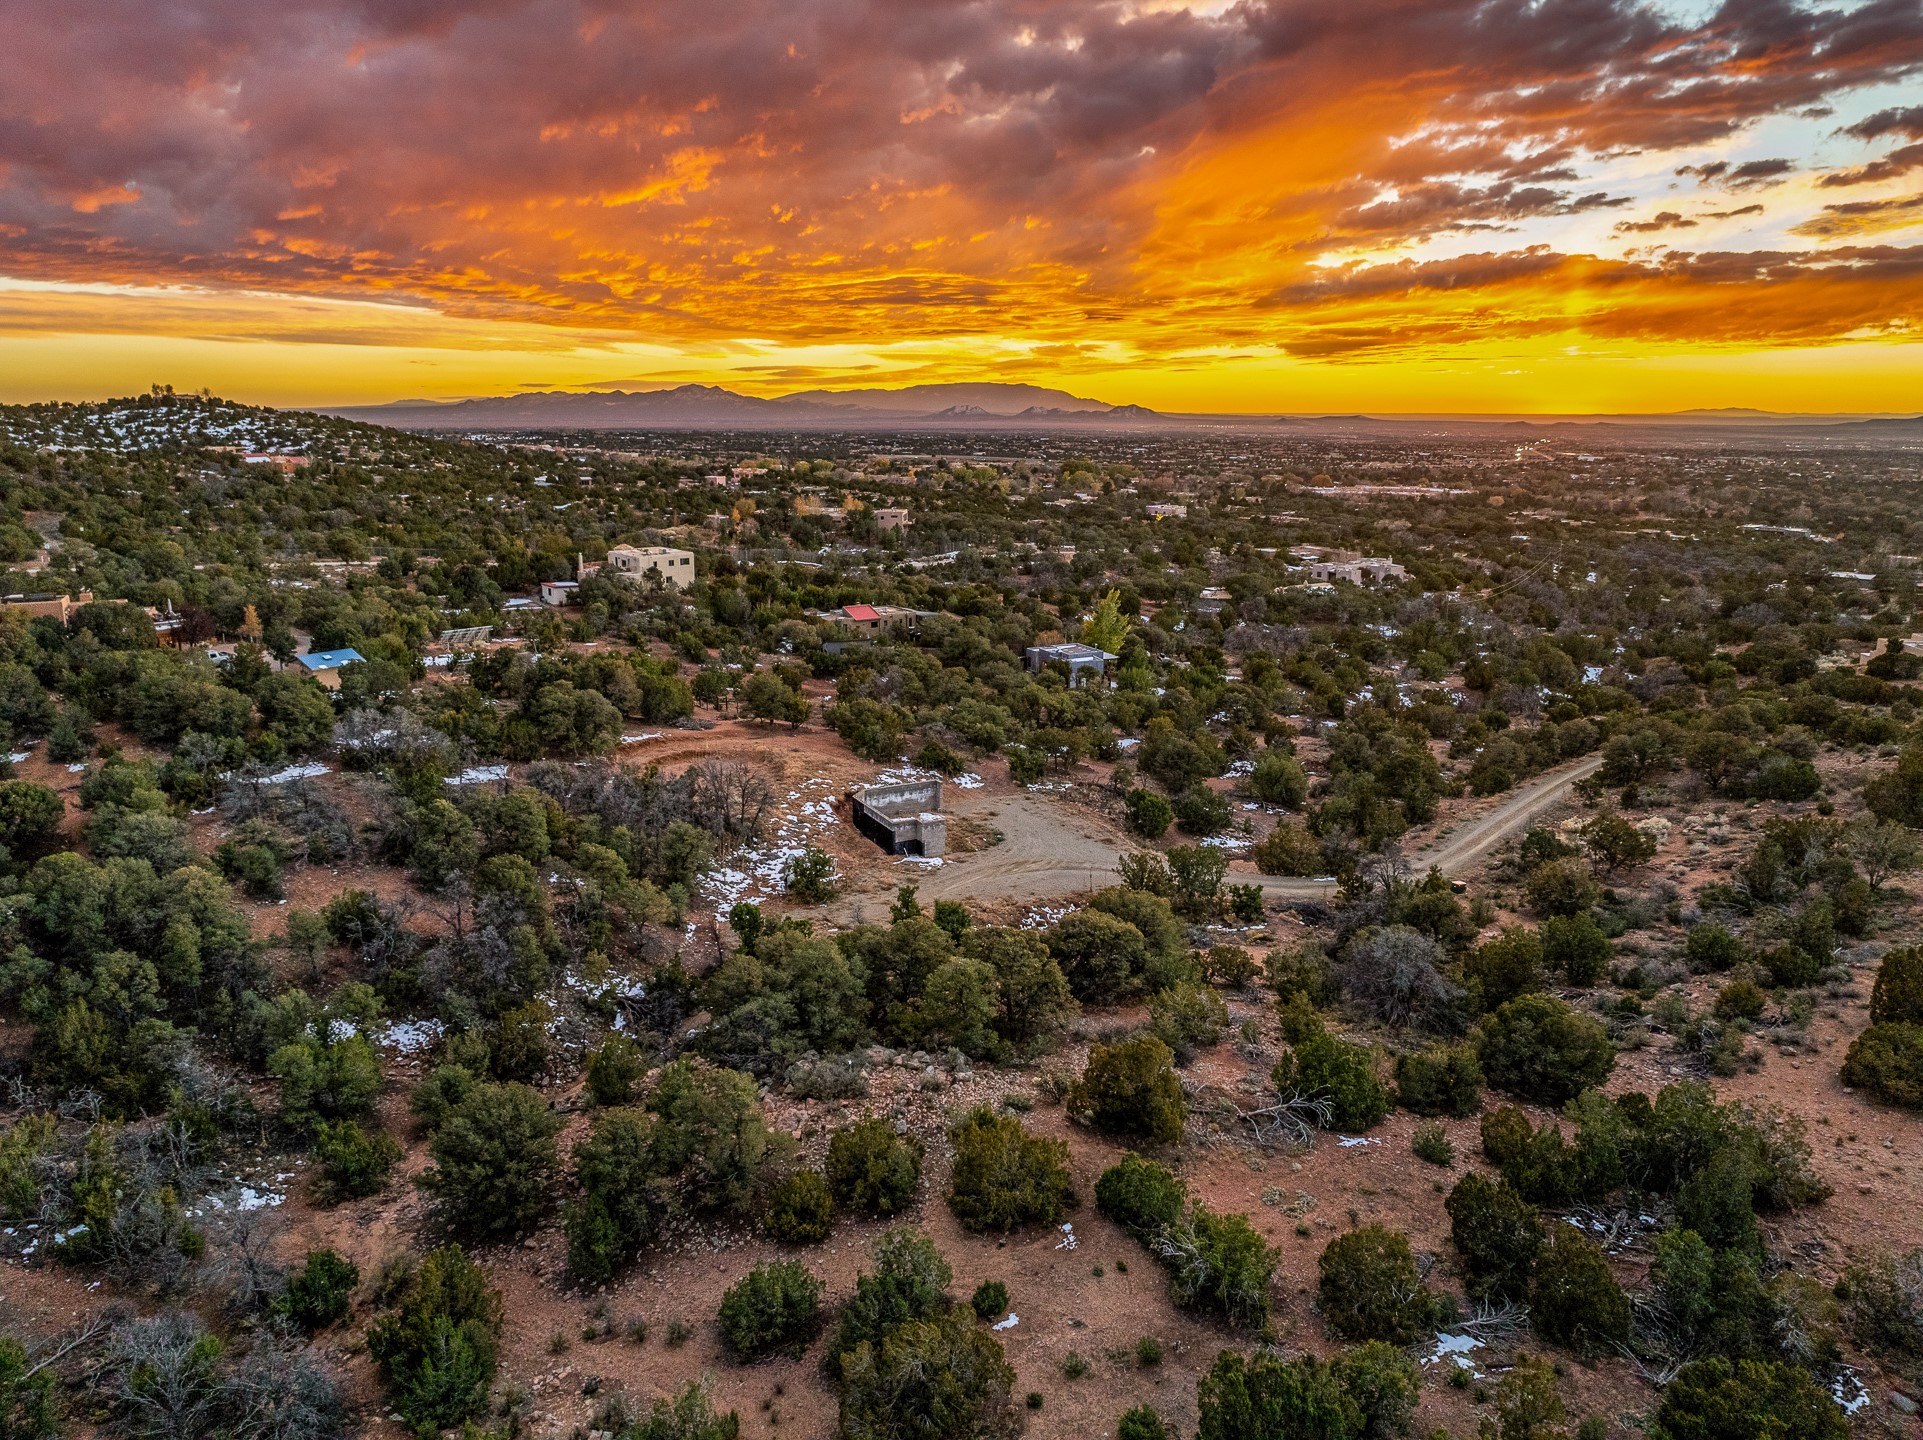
(984, 397)
(712, 407)
(991, 405)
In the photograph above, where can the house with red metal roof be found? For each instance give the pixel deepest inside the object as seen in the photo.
(873, 619)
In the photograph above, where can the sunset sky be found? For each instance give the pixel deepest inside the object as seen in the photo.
(1272, 205)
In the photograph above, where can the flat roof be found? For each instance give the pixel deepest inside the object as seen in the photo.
(1074, 650)
(330, 659)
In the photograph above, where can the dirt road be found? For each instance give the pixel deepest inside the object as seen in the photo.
(1475, 838)
(1050, 852)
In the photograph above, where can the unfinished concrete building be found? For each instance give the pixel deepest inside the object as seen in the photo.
(903, 819)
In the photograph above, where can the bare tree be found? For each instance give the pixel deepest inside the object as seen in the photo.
(165, 1380)
(253, 1280)
(733, 800)
(1396, 976)
(283, 1393)
(1880, 849)
(161, 1378)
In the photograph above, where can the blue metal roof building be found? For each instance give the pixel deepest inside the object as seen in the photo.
(330, 659)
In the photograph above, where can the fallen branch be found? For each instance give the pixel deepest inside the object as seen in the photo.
(1293, 1121)
(89, 1333)
(1658, 1368)
(1493, 1319)
(1612, 1229)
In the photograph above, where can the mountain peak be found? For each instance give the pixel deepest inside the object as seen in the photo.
(700, 406)
(989, 397)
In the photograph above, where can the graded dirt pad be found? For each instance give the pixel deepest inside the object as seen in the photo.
(811, 749)
(1047, 849)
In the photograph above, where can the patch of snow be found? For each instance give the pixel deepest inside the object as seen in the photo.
(969, 781)
(756, 870)
(412, 1036)
(76, 769)
(1009, 1324)
(478, 775)
(1226, 842)
(20, 755)
(252, 1199)
(1068, 1241)
(1849, 1391)
(637, 739)
(903, 774)
(1044, 916)
(59, 1237)
(1455, 1349)
(1349, 1142)
(307, 771)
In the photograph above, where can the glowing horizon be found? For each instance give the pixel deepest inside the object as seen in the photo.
(1278, 206)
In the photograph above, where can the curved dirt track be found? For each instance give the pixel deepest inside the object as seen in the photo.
(1050, 852)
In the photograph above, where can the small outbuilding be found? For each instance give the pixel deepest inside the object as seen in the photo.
(903, 819)
(326, 665)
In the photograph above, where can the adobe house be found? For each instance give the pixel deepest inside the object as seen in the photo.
(675, 567)
(873, 619)
(59, 607)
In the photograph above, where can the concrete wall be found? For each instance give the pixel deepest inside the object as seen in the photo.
(903, 819)
(909, 798)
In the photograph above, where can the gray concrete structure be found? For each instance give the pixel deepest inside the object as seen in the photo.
(1082, 660)
(903, 819)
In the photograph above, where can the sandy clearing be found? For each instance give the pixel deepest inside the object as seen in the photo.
(1050, 851)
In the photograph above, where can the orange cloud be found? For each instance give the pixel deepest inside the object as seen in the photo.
(1865, 217)
(1283, 177)
(94, 201)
